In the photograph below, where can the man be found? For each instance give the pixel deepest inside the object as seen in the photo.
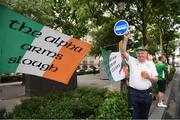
(142, 74)
(162, 71)
(155, 61)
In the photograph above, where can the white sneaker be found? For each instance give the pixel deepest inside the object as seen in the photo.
(161, 104)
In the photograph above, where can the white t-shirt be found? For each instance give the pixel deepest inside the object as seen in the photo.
(135, 79)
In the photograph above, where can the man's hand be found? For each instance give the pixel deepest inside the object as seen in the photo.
(122, 46)
(146, 75)
(151, 78)
(126, 36)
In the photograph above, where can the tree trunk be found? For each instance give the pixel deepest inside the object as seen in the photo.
(144, 23)
(161, 41)
(167, 58)
(144, 34)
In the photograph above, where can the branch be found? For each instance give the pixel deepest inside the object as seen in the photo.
(116, 15)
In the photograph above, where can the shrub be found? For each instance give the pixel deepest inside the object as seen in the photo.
(172, 70)
(114, 107)
(30, 108)
(83, 103)
(171, 73)
(3, 113)
(79, 104)
(57, 109)
(11, 78)
(88, 102)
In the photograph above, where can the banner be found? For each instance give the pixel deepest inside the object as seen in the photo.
(113, 65)
(29, 47)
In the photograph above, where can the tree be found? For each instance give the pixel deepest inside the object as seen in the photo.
(102, 14)
(38, 10)
(97, 17)
(3, 2)
(57, 14)
(164, 18)
(67, 19)
(138, 17)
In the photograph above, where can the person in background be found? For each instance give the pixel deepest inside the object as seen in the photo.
(155, 85)
(141, 76)
(155, 60)
(162, 70)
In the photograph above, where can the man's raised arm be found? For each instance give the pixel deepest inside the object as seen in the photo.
(123, 47)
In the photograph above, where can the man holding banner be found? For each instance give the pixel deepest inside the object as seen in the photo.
(142, 74)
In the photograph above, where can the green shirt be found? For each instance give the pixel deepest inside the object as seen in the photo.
(162, 70)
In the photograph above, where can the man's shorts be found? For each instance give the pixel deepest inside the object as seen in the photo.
(162, 85)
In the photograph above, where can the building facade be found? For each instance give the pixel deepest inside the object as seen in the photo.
(89, 60)
(177, 51)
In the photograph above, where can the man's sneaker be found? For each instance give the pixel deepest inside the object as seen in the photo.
(161, 105)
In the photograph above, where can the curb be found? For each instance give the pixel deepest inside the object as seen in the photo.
(158, 112)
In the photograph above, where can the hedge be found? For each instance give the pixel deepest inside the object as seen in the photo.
(83, 103)
(11, 78)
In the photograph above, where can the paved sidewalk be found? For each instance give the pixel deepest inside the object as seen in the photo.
(159, 113)
(11, 94)
(95, 81)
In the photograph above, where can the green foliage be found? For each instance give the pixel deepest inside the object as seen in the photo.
(148, 21)
(114, 107)
(11, 78)
(38, 10)
(3, 3)
(30, 108)
(162, 23)
(83, 103)
(3, 114)
(67, 20)
(105, 38)
(153, 39)
(57, 14)
(171, 73)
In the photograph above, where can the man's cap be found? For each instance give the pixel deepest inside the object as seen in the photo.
(141, 48)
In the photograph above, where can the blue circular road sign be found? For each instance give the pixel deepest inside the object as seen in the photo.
(121, 27)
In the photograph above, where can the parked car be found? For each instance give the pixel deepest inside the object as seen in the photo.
(97, 69)
(89, 70)
(80, 71)
(176, 65)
